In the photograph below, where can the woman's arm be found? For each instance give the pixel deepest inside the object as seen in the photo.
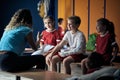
(31, 41)
(39, 36)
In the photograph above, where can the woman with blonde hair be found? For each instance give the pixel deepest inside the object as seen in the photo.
(17, 33)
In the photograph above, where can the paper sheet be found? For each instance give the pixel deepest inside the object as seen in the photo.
(42, 51)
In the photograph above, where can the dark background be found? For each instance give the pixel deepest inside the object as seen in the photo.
(9, 7)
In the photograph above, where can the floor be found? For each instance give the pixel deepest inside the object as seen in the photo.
(76, 71)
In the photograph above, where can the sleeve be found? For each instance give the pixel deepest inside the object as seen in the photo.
(80, 45)
(58, 37)
(66, 36)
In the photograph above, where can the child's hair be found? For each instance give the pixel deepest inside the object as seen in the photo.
(109, 25)
(49, 17)
(76, 19)
(60, 20)
(95, 60)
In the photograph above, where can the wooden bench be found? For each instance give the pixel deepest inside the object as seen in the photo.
(43, 75)
(34, 74)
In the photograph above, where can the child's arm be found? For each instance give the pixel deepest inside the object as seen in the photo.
(57, 48)
(78, 48)
(115, 50)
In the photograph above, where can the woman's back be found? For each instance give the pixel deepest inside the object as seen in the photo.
(14, 40)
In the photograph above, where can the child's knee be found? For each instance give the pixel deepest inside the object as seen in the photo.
(67, 62)
(54, 59)
(84, 61)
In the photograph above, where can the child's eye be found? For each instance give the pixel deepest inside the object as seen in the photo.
(48, 23)
(69, 24)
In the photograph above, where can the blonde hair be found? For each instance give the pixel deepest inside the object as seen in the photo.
(21, 17)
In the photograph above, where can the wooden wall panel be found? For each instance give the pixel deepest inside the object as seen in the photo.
(81, 9)
(90, 14)
(64, 10)
(61, 8)
(113, 14)
(96, 12)
(68, 7)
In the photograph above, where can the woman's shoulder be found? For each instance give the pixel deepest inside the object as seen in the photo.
(23, 28)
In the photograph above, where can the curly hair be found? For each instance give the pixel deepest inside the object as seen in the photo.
(21, 17)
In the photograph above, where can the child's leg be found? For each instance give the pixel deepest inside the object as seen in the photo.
(84, 67)
(66, 63)
(47, 59)
(47, 62)
(53, 65)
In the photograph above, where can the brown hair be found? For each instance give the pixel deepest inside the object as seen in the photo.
(76, 19)
(21, 17)
(109, 25)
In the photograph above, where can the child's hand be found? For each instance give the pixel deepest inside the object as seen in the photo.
(63, 54)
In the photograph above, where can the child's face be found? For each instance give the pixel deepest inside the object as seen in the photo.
(71, 25)
(100, 28)
(49, 24)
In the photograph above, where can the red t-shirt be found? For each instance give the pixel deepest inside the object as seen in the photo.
(104, 46)
(51, 38)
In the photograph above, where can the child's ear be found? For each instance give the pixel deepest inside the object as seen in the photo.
(105, 27)
(53, 23)
(77, 25)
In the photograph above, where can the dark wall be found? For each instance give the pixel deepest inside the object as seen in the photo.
(9, 7)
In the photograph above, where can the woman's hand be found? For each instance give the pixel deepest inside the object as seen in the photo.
(38, 36)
